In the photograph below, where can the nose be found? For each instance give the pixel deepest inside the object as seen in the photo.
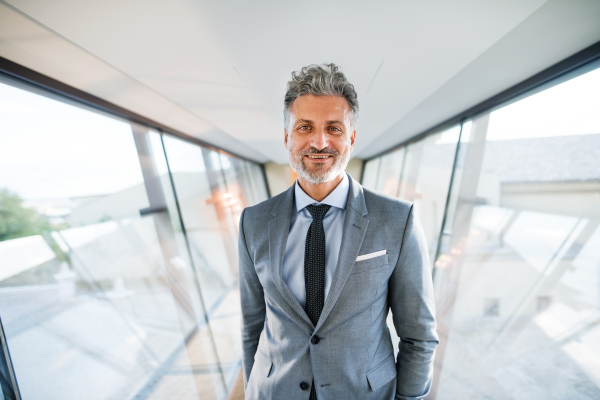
(319, 139)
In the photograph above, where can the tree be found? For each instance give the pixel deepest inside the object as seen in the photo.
(17, 221)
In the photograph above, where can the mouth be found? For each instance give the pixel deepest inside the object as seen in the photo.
(319, 157)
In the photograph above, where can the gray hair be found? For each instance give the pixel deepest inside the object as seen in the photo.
(320, 80)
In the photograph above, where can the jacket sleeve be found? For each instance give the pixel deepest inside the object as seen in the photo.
(252, 302)
(413, 310)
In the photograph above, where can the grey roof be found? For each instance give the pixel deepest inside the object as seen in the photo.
(546, 159)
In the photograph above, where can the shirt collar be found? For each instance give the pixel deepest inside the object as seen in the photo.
(337, 198)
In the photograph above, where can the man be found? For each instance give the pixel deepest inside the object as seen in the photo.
(322, 263)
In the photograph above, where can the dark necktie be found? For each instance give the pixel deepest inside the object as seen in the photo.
(314, 269)
(314, 263)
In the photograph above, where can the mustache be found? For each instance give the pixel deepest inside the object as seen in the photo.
(314, 150)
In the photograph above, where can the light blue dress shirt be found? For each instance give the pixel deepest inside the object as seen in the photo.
(333, 224)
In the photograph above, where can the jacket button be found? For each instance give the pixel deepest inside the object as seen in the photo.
(304, 386)
(315, 339)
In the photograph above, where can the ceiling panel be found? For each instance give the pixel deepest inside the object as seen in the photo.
(225, 64)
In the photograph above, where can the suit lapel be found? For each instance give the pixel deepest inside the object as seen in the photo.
(355, 228)
(279, 227)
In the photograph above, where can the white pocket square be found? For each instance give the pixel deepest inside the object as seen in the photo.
(371, 255)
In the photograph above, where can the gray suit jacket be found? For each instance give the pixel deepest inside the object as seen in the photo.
(354, 358)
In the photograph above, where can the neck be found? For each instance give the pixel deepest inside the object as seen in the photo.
(319, 191)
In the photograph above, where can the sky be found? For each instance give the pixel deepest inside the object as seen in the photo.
(570, 108)
(50, 149)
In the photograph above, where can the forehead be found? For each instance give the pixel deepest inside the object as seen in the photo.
(321, 108)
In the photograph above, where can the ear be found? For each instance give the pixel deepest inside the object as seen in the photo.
(285, 137)
(352, 139)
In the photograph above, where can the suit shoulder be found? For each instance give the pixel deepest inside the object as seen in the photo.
(384, 210)
(263, 209)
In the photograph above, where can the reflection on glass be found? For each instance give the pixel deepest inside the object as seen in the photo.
(419, 173)
(226, 319)
(200, 348)
(256, 180)
(87, 299)
(426, 179)
(388, 176)
(104, 292)
(210, 189)
(518, 280)
(371, 169)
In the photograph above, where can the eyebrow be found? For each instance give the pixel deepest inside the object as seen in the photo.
(308, 121)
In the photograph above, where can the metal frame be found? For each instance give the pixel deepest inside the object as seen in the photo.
(445, 216)
(8, 382)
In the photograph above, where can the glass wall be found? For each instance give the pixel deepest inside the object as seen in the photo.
(118, 254)
(390, 170)
(420, 173)
(213, 189)
(370, 172)
(517, 269)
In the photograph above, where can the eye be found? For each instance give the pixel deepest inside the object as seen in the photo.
(335, 128)
(303, 127)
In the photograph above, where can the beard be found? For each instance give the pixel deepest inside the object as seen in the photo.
(321, 174)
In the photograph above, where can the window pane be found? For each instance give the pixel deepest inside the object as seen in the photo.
(388, 176)
(426, 179)
(518, 282)
(225, 321)
(210, 212)
(257, 182)
(199, 346)
(94, 288)
(369, 178)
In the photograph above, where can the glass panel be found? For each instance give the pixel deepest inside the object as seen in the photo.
(390, 168)
(237, 188)
(210, 214)
(426, 178)
(420, 173)
(96, 290)
(257, 182)
(200, 347)
(518, 282)
(369, 178)
(226, 319)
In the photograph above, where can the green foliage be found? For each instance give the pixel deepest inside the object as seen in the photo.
(17, 221)
(105, 217)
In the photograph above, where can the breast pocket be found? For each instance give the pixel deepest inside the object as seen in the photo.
(370, 264)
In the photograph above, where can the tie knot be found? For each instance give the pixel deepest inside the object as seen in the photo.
(318, 212)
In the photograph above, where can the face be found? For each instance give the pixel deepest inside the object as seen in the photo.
(319, 137)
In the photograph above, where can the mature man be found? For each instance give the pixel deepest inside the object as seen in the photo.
(322, 263)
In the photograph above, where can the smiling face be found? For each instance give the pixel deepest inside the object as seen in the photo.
(319, 137)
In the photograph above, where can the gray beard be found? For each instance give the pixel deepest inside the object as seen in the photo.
(318, 176)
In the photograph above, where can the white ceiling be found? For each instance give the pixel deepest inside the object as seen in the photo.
(217, 69)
